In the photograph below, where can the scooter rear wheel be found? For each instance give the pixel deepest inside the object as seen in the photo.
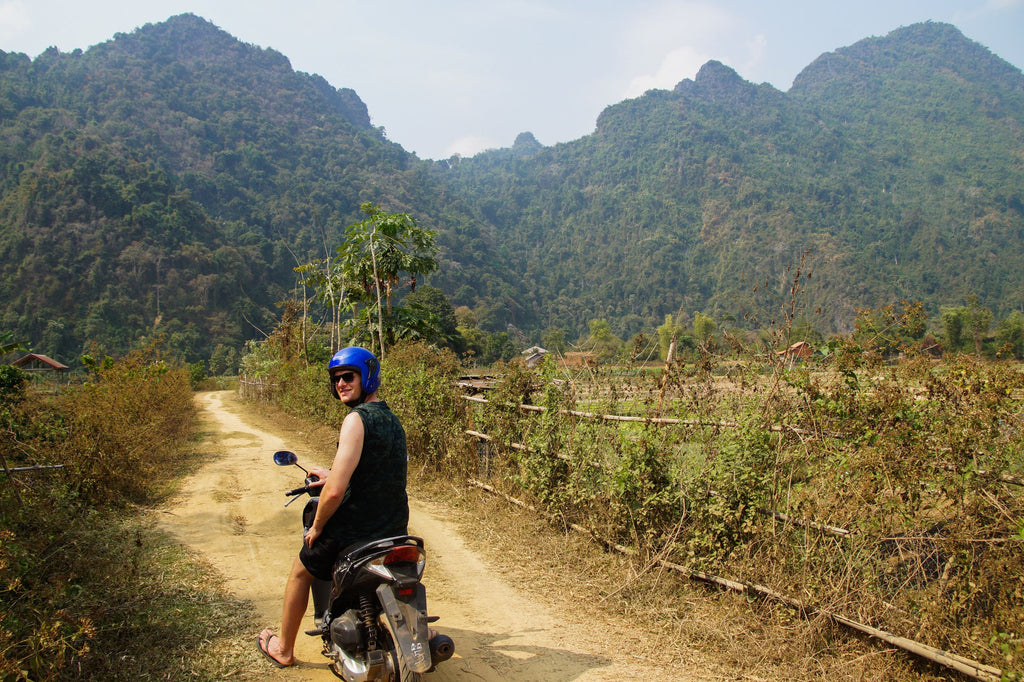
(400, 668)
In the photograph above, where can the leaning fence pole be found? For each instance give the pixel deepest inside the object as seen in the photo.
(663, 380)
(14, 486)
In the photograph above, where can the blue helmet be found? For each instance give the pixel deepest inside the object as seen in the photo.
(359, 360)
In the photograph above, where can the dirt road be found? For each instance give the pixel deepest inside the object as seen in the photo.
(232, 512)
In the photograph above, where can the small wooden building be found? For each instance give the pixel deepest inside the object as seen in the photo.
(799, 350)
(534, 355)
(34, 362)
(45, 369)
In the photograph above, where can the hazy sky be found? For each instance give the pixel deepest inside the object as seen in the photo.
(458, 76)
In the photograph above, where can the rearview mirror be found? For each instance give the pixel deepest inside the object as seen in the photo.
(285, 458)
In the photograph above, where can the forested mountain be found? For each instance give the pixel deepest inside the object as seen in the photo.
(898, 163)
(170, 179)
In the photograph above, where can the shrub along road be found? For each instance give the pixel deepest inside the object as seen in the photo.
(232, 513)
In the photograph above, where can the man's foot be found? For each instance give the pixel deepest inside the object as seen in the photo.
(267, 647)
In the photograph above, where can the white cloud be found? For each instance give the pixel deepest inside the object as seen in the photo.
(14, 18)
(469, 145)
(682, 62)
(678, 37)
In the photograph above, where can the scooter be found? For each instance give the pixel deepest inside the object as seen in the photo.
(372, 616)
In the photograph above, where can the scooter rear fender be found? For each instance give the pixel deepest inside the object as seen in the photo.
(407, 620)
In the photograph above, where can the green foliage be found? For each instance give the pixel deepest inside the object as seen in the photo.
(724, 497)
(699, 198)
(644, 497)
(380, 255)
(432, 304)
(223, 361)
(419, 383)
(303, 390)
(12, 385)
(890, 329)
(967, 326)
(487, 348)
(501, 417)
(89, 591)
(601, 340)
(703, 328)
(8, 344)
(553, 340)
(292, 375)
(668, 332)
(189, 204)
(1010, 335)
(196, 374)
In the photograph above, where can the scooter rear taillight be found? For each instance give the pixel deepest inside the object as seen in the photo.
(400, 564)
(405, 553)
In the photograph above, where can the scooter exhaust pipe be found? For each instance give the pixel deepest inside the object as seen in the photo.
(441, 649)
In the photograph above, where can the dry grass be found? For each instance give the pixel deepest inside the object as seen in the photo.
(659, 615)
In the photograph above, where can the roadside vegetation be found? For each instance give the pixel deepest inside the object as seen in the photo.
(89, 589)
(870, 482)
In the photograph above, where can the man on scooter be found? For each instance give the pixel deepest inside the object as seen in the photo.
(363, 497)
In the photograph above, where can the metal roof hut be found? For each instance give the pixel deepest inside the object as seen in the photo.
(800, 349)
(534, 355)
(36, 364)
(798, 352)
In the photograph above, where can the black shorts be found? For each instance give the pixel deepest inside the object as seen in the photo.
(319, 559)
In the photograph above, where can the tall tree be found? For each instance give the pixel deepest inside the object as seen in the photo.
(432, 304)
(381, 255)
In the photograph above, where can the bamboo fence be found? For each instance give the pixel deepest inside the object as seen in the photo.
(966, 666)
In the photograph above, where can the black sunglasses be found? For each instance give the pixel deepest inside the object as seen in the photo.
(347, 377)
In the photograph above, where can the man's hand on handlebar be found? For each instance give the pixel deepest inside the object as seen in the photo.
(320, 474)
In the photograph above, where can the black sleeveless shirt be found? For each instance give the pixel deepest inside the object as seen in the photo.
(375, 504)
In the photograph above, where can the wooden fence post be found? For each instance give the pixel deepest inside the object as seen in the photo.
(483, 459)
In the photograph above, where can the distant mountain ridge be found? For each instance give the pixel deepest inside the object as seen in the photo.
(897, 163)
(191, 41)
(168, 180)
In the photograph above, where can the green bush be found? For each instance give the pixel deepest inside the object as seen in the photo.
(125, 425)
(419, 383)
(12, 384)
(89, 591)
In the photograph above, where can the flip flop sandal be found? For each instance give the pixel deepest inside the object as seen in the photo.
(264, 649)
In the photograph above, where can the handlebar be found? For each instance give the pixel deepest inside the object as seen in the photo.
(313, 481)
(308, 489)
